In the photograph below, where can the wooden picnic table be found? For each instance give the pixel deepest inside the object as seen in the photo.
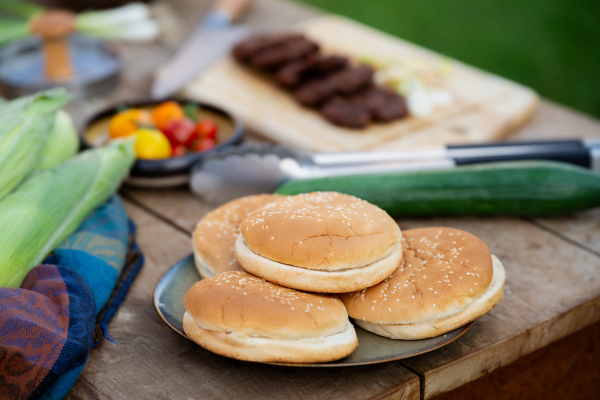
(542, 341)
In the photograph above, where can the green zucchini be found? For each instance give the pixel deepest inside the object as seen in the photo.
(507, 188)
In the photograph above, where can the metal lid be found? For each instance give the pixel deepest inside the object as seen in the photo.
(96, 64)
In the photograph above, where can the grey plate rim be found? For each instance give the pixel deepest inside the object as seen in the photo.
(334, 364)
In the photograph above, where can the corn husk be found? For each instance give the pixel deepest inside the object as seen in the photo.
(62, 143)
(25, 125)
(48, 207)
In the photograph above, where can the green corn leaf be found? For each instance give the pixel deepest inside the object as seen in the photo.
(25, 124)
(62, 143)
(48, 207)
(12, 30)
(19, 8)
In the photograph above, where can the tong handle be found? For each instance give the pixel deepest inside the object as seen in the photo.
(578, 152)
(569, 151)
(378, 157)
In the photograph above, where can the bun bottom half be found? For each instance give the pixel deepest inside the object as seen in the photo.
(262, 349)
(337, 281)
(423, 330)
(203, 270)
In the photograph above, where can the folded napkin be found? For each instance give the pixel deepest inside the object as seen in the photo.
(49, 325)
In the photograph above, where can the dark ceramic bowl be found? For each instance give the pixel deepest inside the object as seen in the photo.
(168, 172)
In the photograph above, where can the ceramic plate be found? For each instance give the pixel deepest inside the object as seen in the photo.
(372, 349)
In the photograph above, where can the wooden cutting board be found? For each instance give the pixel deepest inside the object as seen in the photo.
(485, 107)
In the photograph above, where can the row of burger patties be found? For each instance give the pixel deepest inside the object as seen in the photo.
(283, 274)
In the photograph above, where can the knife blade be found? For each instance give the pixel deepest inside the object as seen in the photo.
(209, 42)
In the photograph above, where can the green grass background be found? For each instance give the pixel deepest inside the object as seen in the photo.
(552, 46)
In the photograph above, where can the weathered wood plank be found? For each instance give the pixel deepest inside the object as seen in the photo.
(404, 391)
(554, 121)
(179, 206)
(149, 360)
(583, 228)
(83, 390)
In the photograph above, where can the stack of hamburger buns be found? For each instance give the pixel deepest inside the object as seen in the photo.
(283, 274)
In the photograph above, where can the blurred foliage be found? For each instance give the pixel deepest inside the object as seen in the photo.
(551, 46)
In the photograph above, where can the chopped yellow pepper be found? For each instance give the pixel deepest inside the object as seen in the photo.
(152, 144)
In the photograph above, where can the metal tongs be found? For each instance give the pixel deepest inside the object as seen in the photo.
(260, 168)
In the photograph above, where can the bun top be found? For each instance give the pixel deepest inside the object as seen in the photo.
(216, 233)
(443, 271)
(321, 231)
(240, 302)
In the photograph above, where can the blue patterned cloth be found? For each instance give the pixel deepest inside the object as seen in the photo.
(49, 325)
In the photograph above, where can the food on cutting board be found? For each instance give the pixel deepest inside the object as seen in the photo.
(215, 234)
(320, 242)
(418, 80)
(440, 278)
(447, 278)
(238, 315)
(166, 130)
(345, 93)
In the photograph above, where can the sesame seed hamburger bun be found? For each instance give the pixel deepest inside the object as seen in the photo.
(215, 234)
(241, 316)
(320, 242)
(447, 279)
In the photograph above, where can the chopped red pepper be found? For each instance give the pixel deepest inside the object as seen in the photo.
(207, 128)
(179, 151)
(205, 144)
(181, 131)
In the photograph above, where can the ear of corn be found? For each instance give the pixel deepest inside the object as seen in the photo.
(49, 206)
(25, 124)
(62, 142)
